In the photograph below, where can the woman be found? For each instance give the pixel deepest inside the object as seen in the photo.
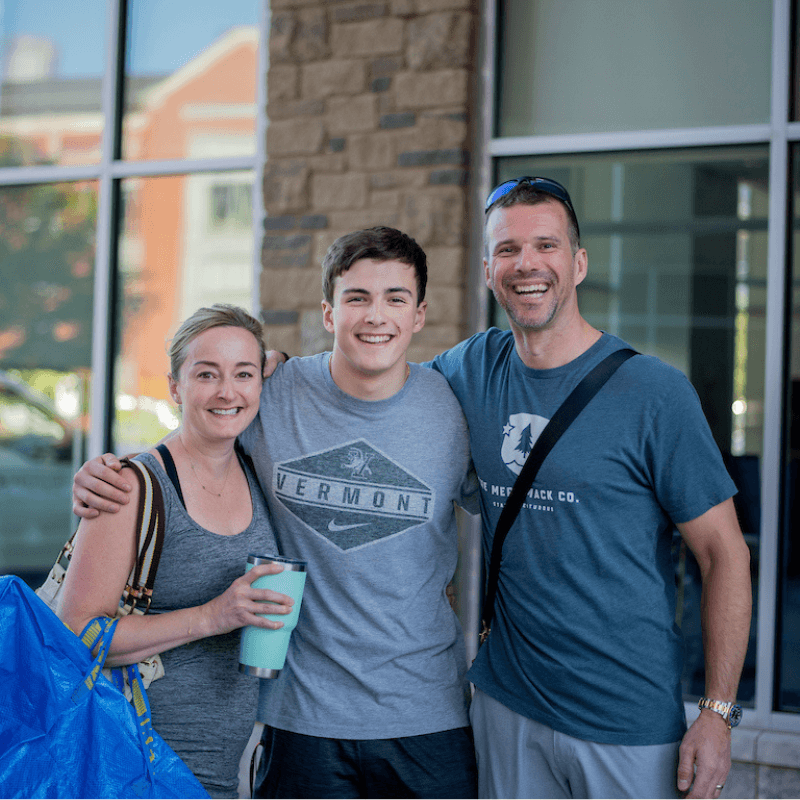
(215, 516)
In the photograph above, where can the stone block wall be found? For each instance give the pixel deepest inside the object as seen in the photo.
(369, 124)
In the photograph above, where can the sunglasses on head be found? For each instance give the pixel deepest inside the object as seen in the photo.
(546, 185)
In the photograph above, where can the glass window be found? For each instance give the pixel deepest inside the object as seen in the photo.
(794, 98)
(788, 631)
(186, 89)
(46, 288)
(677, 248)
(230, 206)
(630, 65)
(52, 70)
(186, 241)
(190, 90)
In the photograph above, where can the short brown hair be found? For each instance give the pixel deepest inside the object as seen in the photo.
(380, 244)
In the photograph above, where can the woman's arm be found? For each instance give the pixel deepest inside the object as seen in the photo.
(105, 551)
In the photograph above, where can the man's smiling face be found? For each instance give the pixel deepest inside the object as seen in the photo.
(530, 266)
(373, 317)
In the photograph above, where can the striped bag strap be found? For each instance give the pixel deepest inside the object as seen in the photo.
(137, 595)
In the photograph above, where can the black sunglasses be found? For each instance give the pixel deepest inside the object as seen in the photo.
(546, 185)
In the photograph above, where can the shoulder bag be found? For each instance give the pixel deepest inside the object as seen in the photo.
(138, 593)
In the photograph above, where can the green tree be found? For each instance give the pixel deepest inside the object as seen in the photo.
(47, 255)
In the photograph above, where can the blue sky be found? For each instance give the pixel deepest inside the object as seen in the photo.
(163, 34)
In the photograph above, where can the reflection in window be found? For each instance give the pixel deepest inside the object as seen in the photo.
(788, 631)
(186, 92)
(794, 96)
(186, 241)
(231, 206)
(637, 65)
(50, 97)
(46, 288)
(677, 267)
(192, 95)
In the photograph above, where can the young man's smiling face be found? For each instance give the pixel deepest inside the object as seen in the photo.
(373, 317)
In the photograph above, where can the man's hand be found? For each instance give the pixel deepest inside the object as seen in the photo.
(705, 756)
(98, 487)
(274, 357)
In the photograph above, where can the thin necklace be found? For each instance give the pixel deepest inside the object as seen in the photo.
(202, 485)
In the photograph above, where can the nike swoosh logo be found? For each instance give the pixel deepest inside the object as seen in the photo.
(334, 528)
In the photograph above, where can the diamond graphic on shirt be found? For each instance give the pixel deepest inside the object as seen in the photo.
(519, 436)
(353, 495)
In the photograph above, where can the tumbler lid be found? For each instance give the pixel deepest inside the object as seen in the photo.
(289, 564)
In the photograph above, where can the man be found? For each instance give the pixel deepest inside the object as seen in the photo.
(362, 456)
(578, 686)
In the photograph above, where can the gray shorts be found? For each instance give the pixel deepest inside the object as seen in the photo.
(518, 757)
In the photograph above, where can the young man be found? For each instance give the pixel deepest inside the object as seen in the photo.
(362, 456)
(578, 685)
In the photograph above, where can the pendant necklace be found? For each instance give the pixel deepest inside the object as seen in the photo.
(202, 485)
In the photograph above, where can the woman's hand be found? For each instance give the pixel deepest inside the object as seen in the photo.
(241, 603)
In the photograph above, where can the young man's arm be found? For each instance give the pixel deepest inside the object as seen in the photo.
(717, 543)
(273, 358)
(99, 486)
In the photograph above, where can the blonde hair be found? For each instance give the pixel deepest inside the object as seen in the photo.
(218, 315)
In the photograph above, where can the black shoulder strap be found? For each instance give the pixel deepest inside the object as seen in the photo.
(560, 421)
(169, 466)
(244, 457)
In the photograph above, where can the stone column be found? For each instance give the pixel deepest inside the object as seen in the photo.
(368, 104)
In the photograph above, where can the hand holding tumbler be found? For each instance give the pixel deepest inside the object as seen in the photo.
(262, 651)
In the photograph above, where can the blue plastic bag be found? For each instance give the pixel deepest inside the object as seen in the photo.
(65, 731)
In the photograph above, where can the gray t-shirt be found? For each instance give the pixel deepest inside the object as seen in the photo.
(204, 707)
(364, 491)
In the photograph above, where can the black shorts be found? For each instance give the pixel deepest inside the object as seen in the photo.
(435, 765)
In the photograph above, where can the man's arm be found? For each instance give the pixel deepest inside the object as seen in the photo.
(273, 358)
(717, 543)
(98, 486)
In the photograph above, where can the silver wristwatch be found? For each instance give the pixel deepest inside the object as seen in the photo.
(730, 712)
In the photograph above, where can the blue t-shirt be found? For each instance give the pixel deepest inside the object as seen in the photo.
(584, 638)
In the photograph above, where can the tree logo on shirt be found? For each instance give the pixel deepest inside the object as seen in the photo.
(353, 495)
(519, 435)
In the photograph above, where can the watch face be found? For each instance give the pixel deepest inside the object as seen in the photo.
(735, 716)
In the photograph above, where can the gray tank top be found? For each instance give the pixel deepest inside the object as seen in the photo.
(204, 707)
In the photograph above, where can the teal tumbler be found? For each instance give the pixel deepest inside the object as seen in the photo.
(262, 651)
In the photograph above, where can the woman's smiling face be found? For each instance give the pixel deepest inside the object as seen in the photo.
(219, 383)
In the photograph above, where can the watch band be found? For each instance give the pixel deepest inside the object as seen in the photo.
(730, 712)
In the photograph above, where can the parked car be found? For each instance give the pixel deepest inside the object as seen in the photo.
(36, 467)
